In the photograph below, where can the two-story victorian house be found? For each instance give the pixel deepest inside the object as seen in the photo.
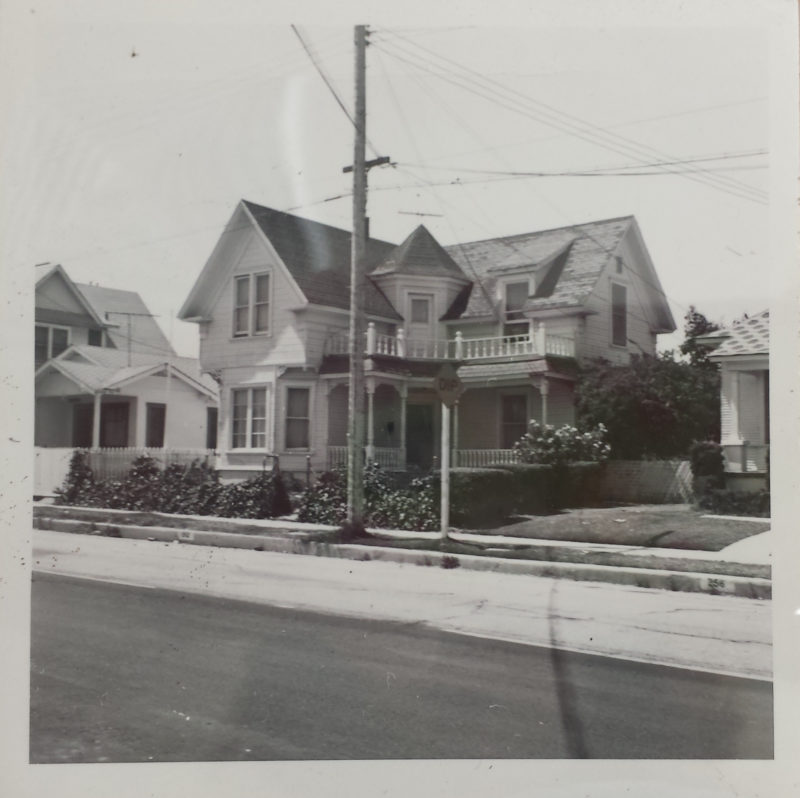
(516, 315)
(106, 375)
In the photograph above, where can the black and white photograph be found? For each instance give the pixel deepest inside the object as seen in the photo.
(400, 400)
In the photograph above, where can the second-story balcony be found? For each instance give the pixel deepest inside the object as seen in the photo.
(457, 348)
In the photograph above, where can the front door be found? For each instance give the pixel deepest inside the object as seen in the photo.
(420, 443)
(82, 415)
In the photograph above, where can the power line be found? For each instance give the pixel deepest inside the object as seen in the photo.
(487, 89)
(330, 86)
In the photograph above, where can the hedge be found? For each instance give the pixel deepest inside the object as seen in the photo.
(190, 490)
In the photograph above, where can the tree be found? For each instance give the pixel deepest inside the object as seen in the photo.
(696, 325)
(653, 407)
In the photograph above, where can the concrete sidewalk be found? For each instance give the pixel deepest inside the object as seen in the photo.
(560, 559)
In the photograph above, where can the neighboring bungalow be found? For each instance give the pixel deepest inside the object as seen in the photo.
(742, 350)
(516, 315)
(106, 375)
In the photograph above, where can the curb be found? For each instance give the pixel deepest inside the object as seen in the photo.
(714, 584)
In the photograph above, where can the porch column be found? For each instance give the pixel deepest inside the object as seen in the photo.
(403, 390)
(98, 398)
(370, 384)
(454, 438)
(140, 439)
(543, 385)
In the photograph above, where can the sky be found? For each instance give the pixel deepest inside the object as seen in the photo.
(134, 138)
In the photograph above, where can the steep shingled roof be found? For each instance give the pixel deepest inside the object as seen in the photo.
(420, 254)
(318, 257)
(746, 336)
(111, 305)
(578, 253)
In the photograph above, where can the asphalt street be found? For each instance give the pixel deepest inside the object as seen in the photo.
(134, 674)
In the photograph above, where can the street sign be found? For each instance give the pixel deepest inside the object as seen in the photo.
(448, 385)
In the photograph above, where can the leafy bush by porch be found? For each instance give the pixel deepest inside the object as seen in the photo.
(189, 490)
(387, 504)
(560, 445)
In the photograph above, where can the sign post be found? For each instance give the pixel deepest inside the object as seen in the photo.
(449, 387)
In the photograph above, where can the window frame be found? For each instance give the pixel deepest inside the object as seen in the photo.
(514, 318)
(50, 329)
(249, 431)
(619, 334)
(251, 305)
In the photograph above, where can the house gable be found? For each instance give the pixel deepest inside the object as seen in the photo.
(58, 301)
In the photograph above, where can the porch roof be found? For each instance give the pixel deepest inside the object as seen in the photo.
(747, 336)
(544, 367)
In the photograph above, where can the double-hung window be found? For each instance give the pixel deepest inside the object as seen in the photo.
(619, 315)
(516, 295)
(249, 418)
(251, 304)
(298, 418)
(49, 342)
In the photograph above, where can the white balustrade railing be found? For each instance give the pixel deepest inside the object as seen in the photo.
(393, 457)
(478, 458)
(457, 348)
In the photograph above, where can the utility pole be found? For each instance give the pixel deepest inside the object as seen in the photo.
(356, 399)
(355, 432)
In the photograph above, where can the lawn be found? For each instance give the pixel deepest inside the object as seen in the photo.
(673, 526)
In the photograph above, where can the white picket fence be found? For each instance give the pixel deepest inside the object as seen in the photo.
(51, 466)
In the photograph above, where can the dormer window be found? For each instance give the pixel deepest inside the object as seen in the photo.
(251, 305)
(515, 297)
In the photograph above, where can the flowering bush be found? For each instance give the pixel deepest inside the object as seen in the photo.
(557, 446)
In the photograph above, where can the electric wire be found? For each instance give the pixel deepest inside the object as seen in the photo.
(488, 90)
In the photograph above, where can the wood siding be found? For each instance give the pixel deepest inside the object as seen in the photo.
(283, 344)
(596, 339)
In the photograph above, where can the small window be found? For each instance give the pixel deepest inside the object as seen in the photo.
(514, 418)
(241, 309)
(516, 295)
(619, 315)
(420, 310)
(262, 303)
(95, 337)
(49, 342)
(42, 344)
(298, 421)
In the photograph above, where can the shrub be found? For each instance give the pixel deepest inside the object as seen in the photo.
(79, 482)
(386, 504)
(736, 502)
(556, 446)
(578, 485)
(481, 496)
(534, 487)
(708, 466)
(191, 490)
